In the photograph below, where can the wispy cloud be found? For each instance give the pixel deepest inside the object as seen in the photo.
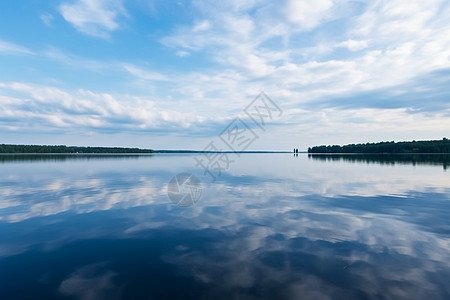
(75, 61)
(390, 43)
(47, 19)
(93, 17)
(144, 74)
(12, 48)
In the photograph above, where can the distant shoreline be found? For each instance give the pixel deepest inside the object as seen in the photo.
(63, 149)
(145, 153)
(228, 151)
(413, 147)
(87, 150)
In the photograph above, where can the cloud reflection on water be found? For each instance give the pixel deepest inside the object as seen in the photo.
(311, 229)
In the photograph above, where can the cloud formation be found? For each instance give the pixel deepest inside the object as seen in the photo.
(11, 48)
(93, 17)
(54, 108)
(202, 63)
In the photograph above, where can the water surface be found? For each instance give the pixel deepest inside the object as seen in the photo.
(272, 226)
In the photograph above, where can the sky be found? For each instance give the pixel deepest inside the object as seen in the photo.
(181, 74)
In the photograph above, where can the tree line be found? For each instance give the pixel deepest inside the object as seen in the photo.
(432, 146)
(6, 148)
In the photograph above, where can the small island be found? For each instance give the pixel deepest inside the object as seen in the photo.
(62, 149)
(431, 146)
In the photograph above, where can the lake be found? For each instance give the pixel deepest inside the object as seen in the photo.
(269, 226)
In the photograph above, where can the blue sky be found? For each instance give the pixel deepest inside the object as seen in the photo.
(174, 74)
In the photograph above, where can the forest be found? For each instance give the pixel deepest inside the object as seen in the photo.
(431, 146)
(6, 148)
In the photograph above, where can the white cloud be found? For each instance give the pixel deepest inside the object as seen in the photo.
(53, 108)
(93, 17)
(202, 26)
(182, 53)
(239, 27)
(308, 14)
(232, 37)
(354, 45)
(393, 42)
(398, 20)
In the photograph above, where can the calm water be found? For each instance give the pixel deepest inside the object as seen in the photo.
(273, 226)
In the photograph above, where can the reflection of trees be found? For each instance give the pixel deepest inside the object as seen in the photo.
(388, 159)
(11, 158)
